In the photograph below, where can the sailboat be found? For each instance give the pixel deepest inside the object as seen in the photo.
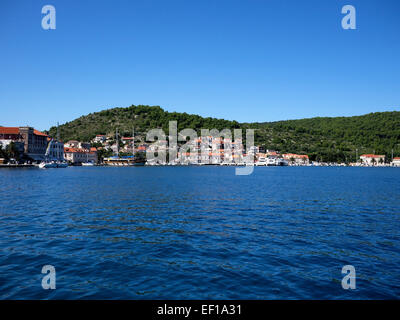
(52, 163)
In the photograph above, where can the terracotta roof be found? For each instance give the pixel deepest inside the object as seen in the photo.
(396, 158)
(293, 155)
(76, 150)
(15, 130)
(372, 156)
(38, 133)
(9, 130)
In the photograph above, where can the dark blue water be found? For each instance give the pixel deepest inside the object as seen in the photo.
(200, 232)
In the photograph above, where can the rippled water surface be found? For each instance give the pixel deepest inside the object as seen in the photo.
(200, 232)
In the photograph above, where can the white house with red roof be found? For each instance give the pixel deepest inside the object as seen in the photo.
(79, 155)
(395, 162)
(100, 138)
(299, 159)
(372, 159)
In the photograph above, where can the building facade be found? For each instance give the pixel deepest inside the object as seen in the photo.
(55, 150)
(296, 159)
(100, 138)
(34, 142)
(78, 155)
(372, 159)
(395, 162)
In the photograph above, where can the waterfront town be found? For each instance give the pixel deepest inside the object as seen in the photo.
(26, 146)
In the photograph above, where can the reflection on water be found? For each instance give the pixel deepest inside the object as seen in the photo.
(199, 232)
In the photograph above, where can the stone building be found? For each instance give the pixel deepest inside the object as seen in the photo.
(34, 142)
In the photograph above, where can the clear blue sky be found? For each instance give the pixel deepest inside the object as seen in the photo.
(253, 60)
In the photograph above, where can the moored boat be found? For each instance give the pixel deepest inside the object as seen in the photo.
(87, 164)
(53, 164)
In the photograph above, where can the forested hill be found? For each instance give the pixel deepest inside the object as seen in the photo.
(327, 139)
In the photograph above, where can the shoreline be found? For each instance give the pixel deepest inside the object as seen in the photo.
(15, 166)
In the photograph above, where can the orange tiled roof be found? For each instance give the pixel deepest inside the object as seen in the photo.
(9, 130)
(15, 130)
(38, 133)
(75, 150)
(371, 155)
(294, 155)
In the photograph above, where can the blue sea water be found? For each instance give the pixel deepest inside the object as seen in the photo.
(200, 232)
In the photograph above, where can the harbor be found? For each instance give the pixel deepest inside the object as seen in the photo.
(26, 147)
(196, 230)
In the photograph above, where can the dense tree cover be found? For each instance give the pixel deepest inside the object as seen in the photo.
(140, 118)
(326, 139)
(334, 139)
(103, 153)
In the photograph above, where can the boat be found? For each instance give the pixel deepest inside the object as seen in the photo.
(52, 163)
(62, 164)
(87, 164)
(47, 165)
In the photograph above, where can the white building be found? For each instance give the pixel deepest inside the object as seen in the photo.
(71, 144)
(296, 159)
(100, 138)
(55, 150)
(78, 155)
(395, 162)
(372, 159)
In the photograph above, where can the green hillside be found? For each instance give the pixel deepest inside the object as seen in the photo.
(326, 139)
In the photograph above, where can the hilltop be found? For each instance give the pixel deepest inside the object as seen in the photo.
(322, 138)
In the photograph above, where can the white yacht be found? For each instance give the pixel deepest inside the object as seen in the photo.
(88, 164)
(52, 163)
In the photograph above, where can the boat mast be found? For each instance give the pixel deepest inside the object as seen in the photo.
(133, 140)
(116, 137)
